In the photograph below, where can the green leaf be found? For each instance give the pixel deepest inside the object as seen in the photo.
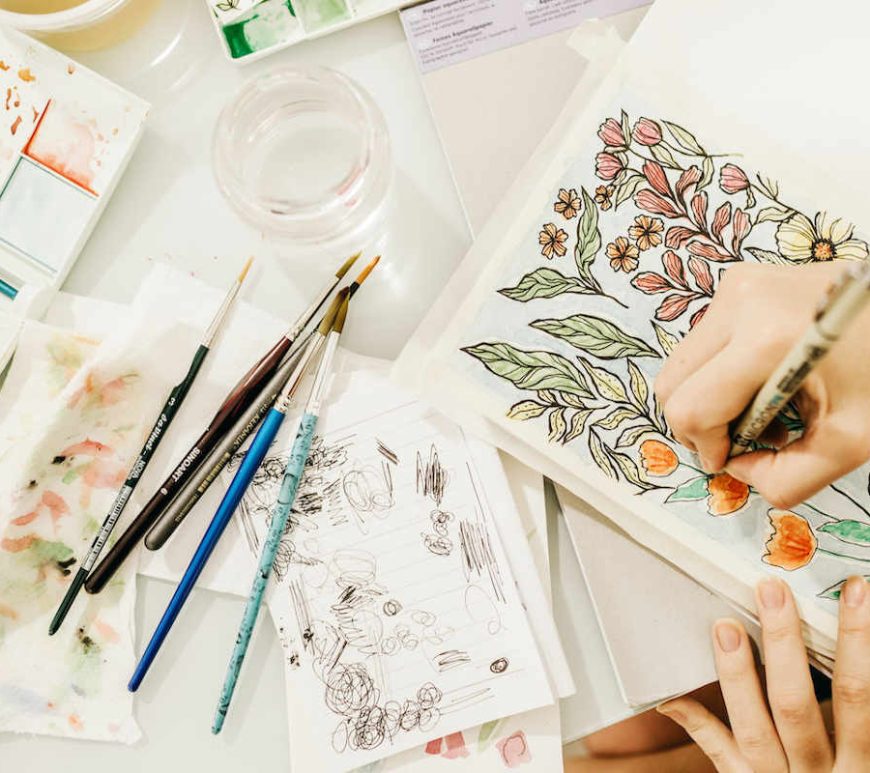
(577, 424)
(600, 456)
(631, 471)
(532, 370)
(766, 256)
(545, 283)
(853, 532)
(626, 127)
(750, 198)
(556, 398)
(659, 416)
(707, 170)
(773, 214)
(664, 156)
(639, 388)
(525, 410)
(834, 591)
(690, 491)
(668, 341)
(616, 417)
(608, 385)
(769, 186)
(631, 435)
(487, 730)
(627, 189)
(588, 241)
(558, 425)
(684, 139)
(596, 336)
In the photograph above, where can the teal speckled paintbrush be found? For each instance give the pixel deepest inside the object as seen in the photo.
(286, 497)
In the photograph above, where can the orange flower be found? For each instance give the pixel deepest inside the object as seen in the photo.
(792, 543)
(658, 458)
(568, 203)
(727, 494)
(623, 255)
(646, 231)
(552, 241)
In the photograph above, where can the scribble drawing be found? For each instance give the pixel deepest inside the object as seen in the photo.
(385, 451)
(664, 220)
(481, 609)
(438, 543)
(451, 659)
(432, 478)
(392, 607)
(459, 700)
(499, 665)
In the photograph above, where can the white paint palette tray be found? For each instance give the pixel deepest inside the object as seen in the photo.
(66, 135)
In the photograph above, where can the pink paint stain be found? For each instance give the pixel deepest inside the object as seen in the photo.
(108, 633)
(451, 747)
(88, 447)
(514, 749)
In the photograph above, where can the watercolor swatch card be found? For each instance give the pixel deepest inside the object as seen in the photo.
(66, 135)
(397, 609)
(604, 255)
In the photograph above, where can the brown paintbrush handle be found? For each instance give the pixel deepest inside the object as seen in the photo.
(242, 395)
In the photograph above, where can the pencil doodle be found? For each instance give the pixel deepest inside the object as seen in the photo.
(481, 609)
(432, 478)
(439, 543)
(464, 698)
(451, 659)
(392, 607)
(477, 555)
(499, 666)
(386, 452)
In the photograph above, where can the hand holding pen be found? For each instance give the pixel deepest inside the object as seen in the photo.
(758, 316)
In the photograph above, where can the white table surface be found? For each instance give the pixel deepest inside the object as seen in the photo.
(168, 208)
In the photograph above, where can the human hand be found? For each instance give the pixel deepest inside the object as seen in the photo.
(713, 374)
(789, 734)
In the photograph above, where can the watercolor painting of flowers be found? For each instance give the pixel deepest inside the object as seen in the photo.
(655, 218)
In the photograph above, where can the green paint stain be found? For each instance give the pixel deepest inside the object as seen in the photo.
(43, 552)
(268, 24)
(316, 14)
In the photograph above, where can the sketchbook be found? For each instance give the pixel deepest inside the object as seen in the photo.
(395, 599)
(605, 253)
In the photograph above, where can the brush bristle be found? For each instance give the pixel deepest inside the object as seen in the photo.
(244, 272)
(345, 267)
(331, 313)
(368, 270)
(341, 316)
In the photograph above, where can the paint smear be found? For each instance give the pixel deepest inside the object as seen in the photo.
(25, 75)
(65, 146)
(514, 750)
(269, 24)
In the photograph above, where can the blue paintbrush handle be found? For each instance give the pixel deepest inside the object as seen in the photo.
(252, 461)
(286, 498)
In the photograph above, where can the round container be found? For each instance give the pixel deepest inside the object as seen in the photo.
(73, 25)
(304, 154)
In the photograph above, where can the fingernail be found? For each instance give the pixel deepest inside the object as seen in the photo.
(727, 636)
(854, 592)
(673, 713)
(771, 593)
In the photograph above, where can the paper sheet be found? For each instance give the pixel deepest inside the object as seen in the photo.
(564, 262)
(393, 584)
(75, 416)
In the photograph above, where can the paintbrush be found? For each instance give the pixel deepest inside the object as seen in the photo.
(228, 447)
(242, 479)
(280, 514)
(242, 395)
(167, 414)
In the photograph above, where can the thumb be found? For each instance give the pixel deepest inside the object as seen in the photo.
(785, 478)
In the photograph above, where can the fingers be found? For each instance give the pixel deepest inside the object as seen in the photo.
(789, 686)
(828, 450)
(851, 685)
(750, 719)
(700, 409)
(706, 730)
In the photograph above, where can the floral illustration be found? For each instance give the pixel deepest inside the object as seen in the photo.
(649, 247)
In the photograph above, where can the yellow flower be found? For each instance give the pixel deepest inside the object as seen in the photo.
(646, 231)
(623, 255)
(801, 240)
(568, 203)
(552, 241)
(603, 195)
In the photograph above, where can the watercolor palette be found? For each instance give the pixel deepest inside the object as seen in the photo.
(251, 29)
(66, 135)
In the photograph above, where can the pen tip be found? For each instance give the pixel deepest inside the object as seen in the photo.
(245, 269)
(368, 270)
(52, 629)
(345, 267)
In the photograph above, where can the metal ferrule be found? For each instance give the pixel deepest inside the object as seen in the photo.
(285, 399)
(304, 318)
(213, 328)
(321, 379)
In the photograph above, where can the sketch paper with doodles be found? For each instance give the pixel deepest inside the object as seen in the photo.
(566, 308)
(395, 603)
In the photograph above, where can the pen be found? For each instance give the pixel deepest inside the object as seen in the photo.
(167, 414)
(841, 304)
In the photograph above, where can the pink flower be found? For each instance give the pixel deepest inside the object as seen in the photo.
(710, 251)
(651, 283)
(698, 316)
(699, 209)
(656, 177)
(651, 201)
(607, 166)
(701, 271)
(732, 179)
(514, 749)
(721, 218)
(678, 235)
(611, 134)
(691, 176)
(673, 306)
(674, 268)
(647, 132)
(740, 226)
